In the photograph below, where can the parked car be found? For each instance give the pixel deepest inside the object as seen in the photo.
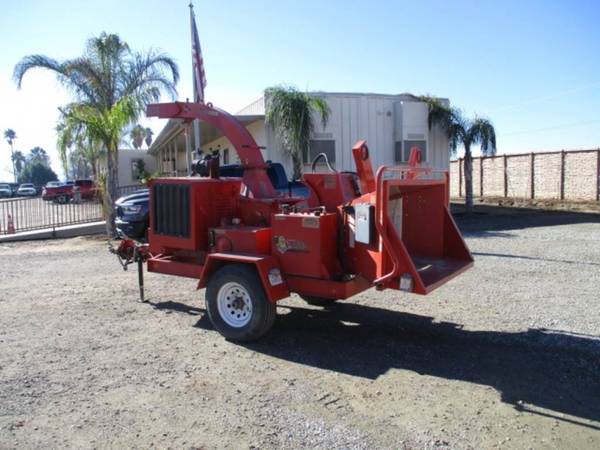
(64, 191)
(133, 212)
(5, 190)
(27, 190)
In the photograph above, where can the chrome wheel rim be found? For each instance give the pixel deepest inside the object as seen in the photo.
(234, 305)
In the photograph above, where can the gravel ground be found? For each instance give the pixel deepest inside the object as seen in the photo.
(505, 356)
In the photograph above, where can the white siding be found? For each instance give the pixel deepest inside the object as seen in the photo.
(356, 117)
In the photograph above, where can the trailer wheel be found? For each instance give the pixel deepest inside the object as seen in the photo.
(237, 304)
(318, 301)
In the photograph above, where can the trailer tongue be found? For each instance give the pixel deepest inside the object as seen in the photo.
(251, 247)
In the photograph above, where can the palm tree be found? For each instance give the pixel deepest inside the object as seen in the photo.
(137, 135)
(10, 137)
(290, 113)
(64, 141)
(148, 133)
(18, 160)
(111, 85)
(465, 132)
(92, 151)
(38, 154)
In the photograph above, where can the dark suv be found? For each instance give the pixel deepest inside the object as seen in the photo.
(133, 209)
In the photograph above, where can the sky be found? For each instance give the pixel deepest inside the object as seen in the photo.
(532, 67)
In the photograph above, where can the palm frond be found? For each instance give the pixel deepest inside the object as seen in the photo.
(482, 132)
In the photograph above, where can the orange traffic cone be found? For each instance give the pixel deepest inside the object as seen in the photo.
(10, 228)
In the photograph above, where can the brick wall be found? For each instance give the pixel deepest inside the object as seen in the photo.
(518, 171)
(570, 175)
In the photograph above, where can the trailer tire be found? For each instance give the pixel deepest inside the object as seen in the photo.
(237, 305)
(318, 301)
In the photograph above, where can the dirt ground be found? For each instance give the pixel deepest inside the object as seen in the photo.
(505, 356)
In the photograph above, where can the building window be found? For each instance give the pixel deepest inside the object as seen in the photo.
(402, 149)
(225, 156)
(320, 146)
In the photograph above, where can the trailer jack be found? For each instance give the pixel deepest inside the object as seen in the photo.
(129, 252)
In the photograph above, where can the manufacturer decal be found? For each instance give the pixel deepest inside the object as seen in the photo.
(284, 245)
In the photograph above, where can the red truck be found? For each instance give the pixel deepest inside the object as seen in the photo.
(64, 192)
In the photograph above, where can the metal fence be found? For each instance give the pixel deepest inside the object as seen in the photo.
(30, 214)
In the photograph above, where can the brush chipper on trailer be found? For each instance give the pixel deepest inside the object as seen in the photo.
(250, 246)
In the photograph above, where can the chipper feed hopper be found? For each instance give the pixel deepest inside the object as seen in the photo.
(251, 247)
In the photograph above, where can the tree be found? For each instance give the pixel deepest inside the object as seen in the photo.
(37, 173)
(465, 132)
(92, 151)
(290, 113)
(38, 154)
(148, 133)
(18, 160)
(111, 85)
(137, 135)
(64, 141)
(10, 137)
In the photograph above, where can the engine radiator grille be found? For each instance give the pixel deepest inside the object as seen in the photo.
(171, 210)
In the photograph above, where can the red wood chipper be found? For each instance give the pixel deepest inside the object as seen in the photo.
(251, 247)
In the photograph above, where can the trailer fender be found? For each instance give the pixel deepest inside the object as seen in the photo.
(267, 268)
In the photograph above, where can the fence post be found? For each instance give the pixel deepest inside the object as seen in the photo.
(562, 175)
(460, 176)
(598, 176)
(532, 175)
(481, 176)
(54, 221)
(505, 177)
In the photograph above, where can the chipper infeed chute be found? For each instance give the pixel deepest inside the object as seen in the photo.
(421, 244)
(399, 233)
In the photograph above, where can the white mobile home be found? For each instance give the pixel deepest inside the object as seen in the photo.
(391, 125)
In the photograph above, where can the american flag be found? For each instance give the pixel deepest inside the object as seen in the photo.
(198, 61)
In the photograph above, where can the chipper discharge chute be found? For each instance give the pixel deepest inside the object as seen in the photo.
(250, 246)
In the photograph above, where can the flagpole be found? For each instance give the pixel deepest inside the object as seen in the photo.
(197, 140)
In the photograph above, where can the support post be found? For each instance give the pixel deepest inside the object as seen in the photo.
(598, 176)
(481, 176)
(197, 142)
(460, 175)
(175, 157)
(505, 176)
(532, 175)
(562, 175)
(188, 150)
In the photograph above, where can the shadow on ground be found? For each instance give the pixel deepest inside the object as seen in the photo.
(498, 221)
(539, 368)
(552, 370)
